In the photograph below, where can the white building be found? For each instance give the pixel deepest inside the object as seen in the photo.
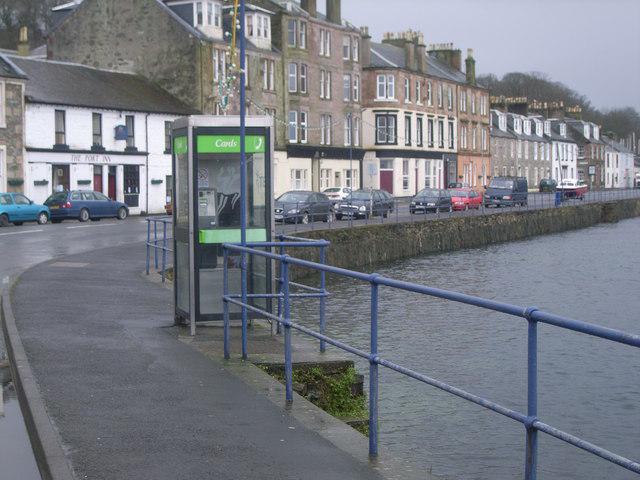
(97, 130)
(564, 150)
(619, 168)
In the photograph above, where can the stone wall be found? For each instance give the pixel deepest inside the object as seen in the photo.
(363, 247)
(12, 135)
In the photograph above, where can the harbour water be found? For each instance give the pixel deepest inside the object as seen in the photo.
(588, 387)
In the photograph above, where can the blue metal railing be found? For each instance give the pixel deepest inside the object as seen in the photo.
(532, 315)
(158, 243)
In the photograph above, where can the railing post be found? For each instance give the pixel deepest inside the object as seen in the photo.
(148, 244)
(280, 281)
(373, 371)
(243, 295)
(531, 458)
(288, 369)
(225, 303)
(322, 298)
(164, 249)
(155, 244)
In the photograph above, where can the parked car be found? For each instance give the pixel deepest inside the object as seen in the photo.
(84, 205)
(16, 208)
(506, 191)
(365, 203)
(465, 198)
(337, 193)
(458, 185)
(303, 207)
(573, 188)
(431, 200)
(547, 185)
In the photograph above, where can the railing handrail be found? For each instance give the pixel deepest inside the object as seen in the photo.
(532, 314)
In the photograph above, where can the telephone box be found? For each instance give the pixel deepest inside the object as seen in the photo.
(206, 211)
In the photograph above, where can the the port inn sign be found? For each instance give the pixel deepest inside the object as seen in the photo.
(90, 158)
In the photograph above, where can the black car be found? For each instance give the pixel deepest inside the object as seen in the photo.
(431, 200)
(507, 192)
(364, 204)
(548, 185)
(303, 207)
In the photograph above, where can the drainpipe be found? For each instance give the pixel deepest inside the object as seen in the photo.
(146, 143)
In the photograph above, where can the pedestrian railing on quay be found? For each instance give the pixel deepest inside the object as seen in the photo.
(533, 316)
(160, 241)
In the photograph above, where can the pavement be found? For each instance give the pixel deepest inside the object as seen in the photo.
(129, 400)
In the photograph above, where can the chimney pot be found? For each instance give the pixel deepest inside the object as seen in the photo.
(23, 42)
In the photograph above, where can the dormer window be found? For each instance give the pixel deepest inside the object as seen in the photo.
(502, 122)
(258, 26)
(563, 130)
(527, 127)
(517, 125)
(596, 132)
(547, 127)
(585, 130)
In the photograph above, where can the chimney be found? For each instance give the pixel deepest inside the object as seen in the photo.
(23, 42)
(445, 52)
(421, 53)
(413, 45)
(309, 6)
(409, 51)
(470, 66)
(333, 11)
(365, 47)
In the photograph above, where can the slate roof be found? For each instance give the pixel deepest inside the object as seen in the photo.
(615, 145)
(71, 84)
(8, 69)
(574, 127)
(495, 128)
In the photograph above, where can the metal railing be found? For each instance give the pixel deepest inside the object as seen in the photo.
(532, 315)
(400, 210)
(160, 244)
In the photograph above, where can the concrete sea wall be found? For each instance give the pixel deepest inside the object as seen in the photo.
(362, 247)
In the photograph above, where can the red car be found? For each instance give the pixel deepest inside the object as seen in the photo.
(465, 198)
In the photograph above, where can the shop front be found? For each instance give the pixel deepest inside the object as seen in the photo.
(120, 176)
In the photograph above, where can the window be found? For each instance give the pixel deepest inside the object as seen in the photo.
(303, 127)
(418, 92)
(386, 87)
(246, 70)
(485, 145)
(430, 132)
(405, 174)
(441, 133)
(526, 149)
(325, 129)
(325, 42)
(61, 128)
(346, 47)
(535, 150)
(473, 103)
(547, 127)
(407, 90)
(473, 137)
(199, 16)
(209, 13)
(502, 123)
(302, 43)
(407, 130)
(348, 176)
(385, 129)
(440, 93)
(303, 78)
(355, 49)
(325, 84)
(130, 122)
(167, 137)
(96, 124)
(217, 15)
(449, 98)
(463, 100)
(293, 126)
(219, 65)
(298, 179)
(419, 132)
(451, 134)
(249, 25)
(356, 88)
(293, 77)
(356, 131)
(347, 129)
(346, 87)
(429, 94)
(325, 176)
(463, 137)
(292, 32)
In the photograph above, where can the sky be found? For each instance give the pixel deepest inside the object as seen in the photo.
(593, 46)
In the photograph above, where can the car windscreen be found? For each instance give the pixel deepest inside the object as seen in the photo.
(501, 183)
(460, 193)
(293, 197)
(57, 197)
(359, 195)
(332, 190)
(5, 200)
(428, 193)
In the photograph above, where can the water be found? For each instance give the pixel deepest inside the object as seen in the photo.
(588, 387)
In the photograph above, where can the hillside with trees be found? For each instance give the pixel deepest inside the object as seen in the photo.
(620, 122)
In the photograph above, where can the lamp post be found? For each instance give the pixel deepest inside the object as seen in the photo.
(243, 178)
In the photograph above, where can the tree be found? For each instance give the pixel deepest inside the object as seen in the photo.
(33, 14)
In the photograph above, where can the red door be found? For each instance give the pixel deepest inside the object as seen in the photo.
(386, 180)
(97, 182)
(112, 185)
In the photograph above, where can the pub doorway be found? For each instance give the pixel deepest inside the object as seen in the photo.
(60, 178)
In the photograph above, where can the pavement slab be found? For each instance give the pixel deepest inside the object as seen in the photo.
(130, 400)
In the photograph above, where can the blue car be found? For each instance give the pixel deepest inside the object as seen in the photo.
(16, 208)
(84, 205)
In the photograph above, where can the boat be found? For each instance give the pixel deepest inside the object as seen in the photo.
(572, 188)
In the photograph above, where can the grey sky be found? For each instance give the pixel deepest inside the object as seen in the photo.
(593, 46)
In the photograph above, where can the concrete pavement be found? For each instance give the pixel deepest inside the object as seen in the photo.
(131, 401)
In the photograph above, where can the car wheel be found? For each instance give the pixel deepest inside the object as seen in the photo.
(385, 214)
(329, 217)
(57, 220)
(4, 220)
(43, 218)
(338, 217)
(122, 213)
(305, 218)
(84, 215)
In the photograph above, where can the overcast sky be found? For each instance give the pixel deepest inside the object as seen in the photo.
(593, 46)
